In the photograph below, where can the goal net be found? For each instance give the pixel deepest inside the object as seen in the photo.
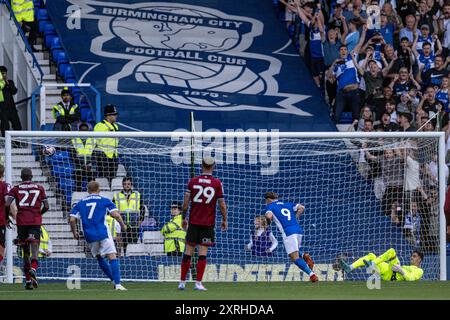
(363, 193)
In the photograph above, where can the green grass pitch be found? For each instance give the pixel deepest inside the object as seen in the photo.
(233, 291)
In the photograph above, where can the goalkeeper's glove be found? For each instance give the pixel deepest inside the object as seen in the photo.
(398, 268)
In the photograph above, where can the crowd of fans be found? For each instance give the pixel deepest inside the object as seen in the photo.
(387, 63)
(378, 60)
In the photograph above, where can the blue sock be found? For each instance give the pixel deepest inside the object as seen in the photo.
(114, 264)
(303, 266)
(105, 267)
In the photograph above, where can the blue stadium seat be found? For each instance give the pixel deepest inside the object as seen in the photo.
(69, 74)
(42, 25)
(346, 118)
(42, 15)
(55, 45)
(61, 59)
(86, 114)
(49, 34)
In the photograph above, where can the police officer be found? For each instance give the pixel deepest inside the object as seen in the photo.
(82, 158)
(173, 232)
(66, 113)
(107, 155)
(130, 205)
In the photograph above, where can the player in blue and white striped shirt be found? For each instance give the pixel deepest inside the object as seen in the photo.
(285, 215)
(92, 211)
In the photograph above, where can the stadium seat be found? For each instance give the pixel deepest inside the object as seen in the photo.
(152, 237)
(42, 23)
(155, 249)
(148, 224)
(116, 184)
(121, 171)
(107, 194)
(62, 69)
(55, 45)
(77, 196)
(61, 58)
(49, 34)
(346, 118)
(104, 184)
(136, 250)
(86, 115)
(69, 74)
(42, 15)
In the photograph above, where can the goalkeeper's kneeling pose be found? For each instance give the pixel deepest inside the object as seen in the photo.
(388, 265)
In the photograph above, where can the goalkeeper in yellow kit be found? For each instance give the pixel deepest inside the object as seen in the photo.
(388, 265)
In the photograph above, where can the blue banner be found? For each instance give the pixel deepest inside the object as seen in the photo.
(231, 62)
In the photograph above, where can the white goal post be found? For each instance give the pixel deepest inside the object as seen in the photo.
(330, 173)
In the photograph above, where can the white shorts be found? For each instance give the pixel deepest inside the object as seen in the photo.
(292, 242)
(103, 247)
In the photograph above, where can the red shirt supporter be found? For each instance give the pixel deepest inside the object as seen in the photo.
(29, 198)
(4, 189)
(204, 191)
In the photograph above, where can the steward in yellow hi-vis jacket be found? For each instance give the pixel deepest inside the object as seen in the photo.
(173, 232)
(388, 266)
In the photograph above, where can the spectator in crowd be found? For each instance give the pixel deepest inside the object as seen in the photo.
(393, 175)
(390, 109)
(404, 120)
(405, 56)
(442, 94)
(353, 37)
(444, 28)
(331, 53)
(406, 8)
(407, 104)
(424, 16)
(386, 124)
(378, 101)
(425, 59)
(262, 241)
(107, 154)
(410, 28)
(66, 113)
(131, 208)
(116, 230)
(386, 31)
(346, 75)
(373, 78)
(429, 209)
(431, 106)
(24, 13)
(173, 232)
(316, 38)
(366, 114)
(81, 153)
(411, 225)
(8, 111)
(403, 82)
(434, 75)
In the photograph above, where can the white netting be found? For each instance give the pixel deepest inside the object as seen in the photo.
(356, 201)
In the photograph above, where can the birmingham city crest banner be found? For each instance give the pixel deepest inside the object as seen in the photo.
(231, 62)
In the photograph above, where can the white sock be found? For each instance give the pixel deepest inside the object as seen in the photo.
(311, 274)
(198, 283)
